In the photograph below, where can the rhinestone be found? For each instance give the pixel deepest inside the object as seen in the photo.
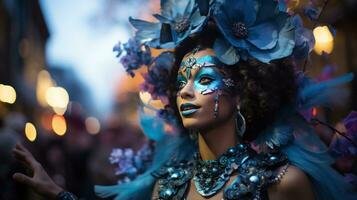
(175, 175)
(168, 192)
(170, 169)
(191, 61)
(232, 150)
(272, 158)
(254, 179)
(240, 30)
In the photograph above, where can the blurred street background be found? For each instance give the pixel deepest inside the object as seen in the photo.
(64, 95)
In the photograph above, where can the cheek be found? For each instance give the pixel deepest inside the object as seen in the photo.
(225, 109)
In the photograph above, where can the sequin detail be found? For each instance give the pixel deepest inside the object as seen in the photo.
(256, 172)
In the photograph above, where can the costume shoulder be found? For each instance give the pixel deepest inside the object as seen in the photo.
(255, 176)
(173, 178)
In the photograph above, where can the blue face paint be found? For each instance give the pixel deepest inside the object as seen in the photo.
(206, 81)
(181, 82)
(193, 63)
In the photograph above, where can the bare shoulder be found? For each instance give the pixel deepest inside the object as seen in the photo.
(294, 184)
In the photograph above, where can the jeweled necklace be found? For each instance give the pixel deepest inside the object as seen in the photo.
(211, 175)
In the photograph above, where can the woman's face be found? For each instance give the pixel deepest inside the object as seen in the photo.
(203, 96)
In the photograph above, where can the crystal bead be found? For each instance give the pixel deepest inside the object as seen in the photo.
(175, 175)
(170, 169)
(232, 150)
(272, 158)
(214, 170)
(254, 179)
(204, 170)
(167, 193)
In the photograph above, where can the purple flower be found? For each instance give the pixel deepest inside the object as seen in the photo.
(158, 75)
(340, 146)
(118, 48)
(124, 160)
(130, 164)
(136, 55)
(350, 123)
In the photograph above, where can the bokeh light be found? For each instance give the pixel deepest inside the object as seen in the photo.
(92, 125)
(44, 81)
(323, 40)
(46, 121)
(30, 132)
(7, 94)
(59, 125)
(59, 111)
(57, 97)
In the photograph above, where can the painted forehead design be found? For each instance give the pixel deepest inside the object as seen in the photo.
(193, 63)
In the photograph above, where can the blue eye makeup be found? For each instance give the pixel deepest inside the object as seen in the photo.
(181, 82)
(207, 81)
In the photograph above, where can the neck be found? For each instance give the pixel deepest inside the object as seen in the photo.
(214, 142)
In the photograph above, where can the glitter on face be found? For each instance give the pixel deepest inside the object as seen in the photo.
(206, 81)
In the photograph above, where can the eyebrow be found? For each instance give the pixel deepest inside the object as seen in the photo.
(216, 69)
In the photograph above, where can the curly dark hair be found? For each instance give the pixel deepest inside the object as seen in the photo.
(263, 88)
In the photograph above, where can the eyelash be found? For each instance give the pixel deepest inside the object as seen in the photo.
(181, 84)
(209, 80)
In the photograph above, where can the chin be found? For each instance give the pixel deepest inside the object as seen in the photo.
(193, 123)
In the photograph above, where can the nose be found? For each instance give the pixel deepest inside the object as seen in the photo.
(187, 92)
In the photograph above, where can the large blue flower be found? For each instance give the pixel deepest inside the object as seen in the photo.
(178, 19)
(258, 28)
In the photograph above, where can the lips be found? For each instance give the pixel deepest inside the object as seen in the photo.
(188, 109)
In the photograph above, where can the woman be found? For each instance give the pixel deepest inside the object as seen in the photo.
(233, 98)
(209, 99)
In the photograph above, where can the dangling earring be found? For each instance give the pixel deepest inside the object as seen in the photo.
(240, 123)
(216, 103)
(192, 134)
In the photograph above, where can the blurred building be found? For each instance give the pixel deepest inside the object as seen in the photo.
(23, 36)
(341, 14)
